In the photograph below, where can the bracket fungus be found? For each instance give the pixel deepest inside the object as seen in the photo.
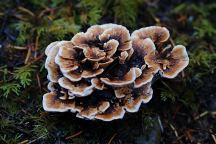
(106, 72)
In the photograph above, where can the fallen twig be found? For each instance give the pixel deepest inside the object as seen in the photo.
(37, 59)
(201, 115)
(179, 138)
(23, 142)
(26, 11)
(28, 55)
(74, 135)
(44, 11)
(18, 47)
(112, 138)
(38, 81)
(160, 124)
(214, 138)
(175, 131)
(20, 17)
(36, 45)
(35, 139)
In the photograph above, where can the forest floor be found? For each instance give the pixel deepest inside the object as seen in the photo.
(182, 110)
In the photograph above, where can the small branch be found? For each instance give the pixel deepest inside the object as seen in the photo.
(36, 59)
(213, 136)
(18, 47)
(20, 17)
(28, 55)
(26, 11)
(36, 45)
(36, 139)
(110, 141)
(24, 142)
(38, 81)
(44, 11)
(74, 135)
(179, 138)
(175, 131)
(201, 115)
(160, 124)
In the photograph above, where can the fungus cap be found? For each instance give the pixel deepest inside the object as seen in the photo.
(105, 72)
(128, 78)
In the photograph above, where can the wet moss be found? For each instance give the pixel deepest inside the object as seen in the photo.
(29, 26)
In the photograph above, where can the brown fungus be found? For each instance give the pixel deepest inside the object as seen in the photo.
(51, 102)
(174, 62)
(161, 54)
(105, 72)
(128, 78)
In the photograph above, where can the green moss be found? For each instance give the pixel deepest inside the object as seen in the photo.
(24, 75)
(125, 11)
(8, 88)
(22, 85)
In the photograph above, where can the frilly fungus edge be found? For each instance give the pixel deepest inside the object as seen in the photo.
(105, 72)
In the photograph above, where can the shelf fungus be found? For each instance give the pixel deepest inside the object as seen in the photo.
(106, 72)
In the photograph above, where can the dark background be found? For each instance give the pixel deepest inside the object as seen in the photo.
(183, 110)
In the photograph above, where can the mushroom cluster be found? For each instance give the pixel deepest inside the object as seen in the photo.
(104, 72)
